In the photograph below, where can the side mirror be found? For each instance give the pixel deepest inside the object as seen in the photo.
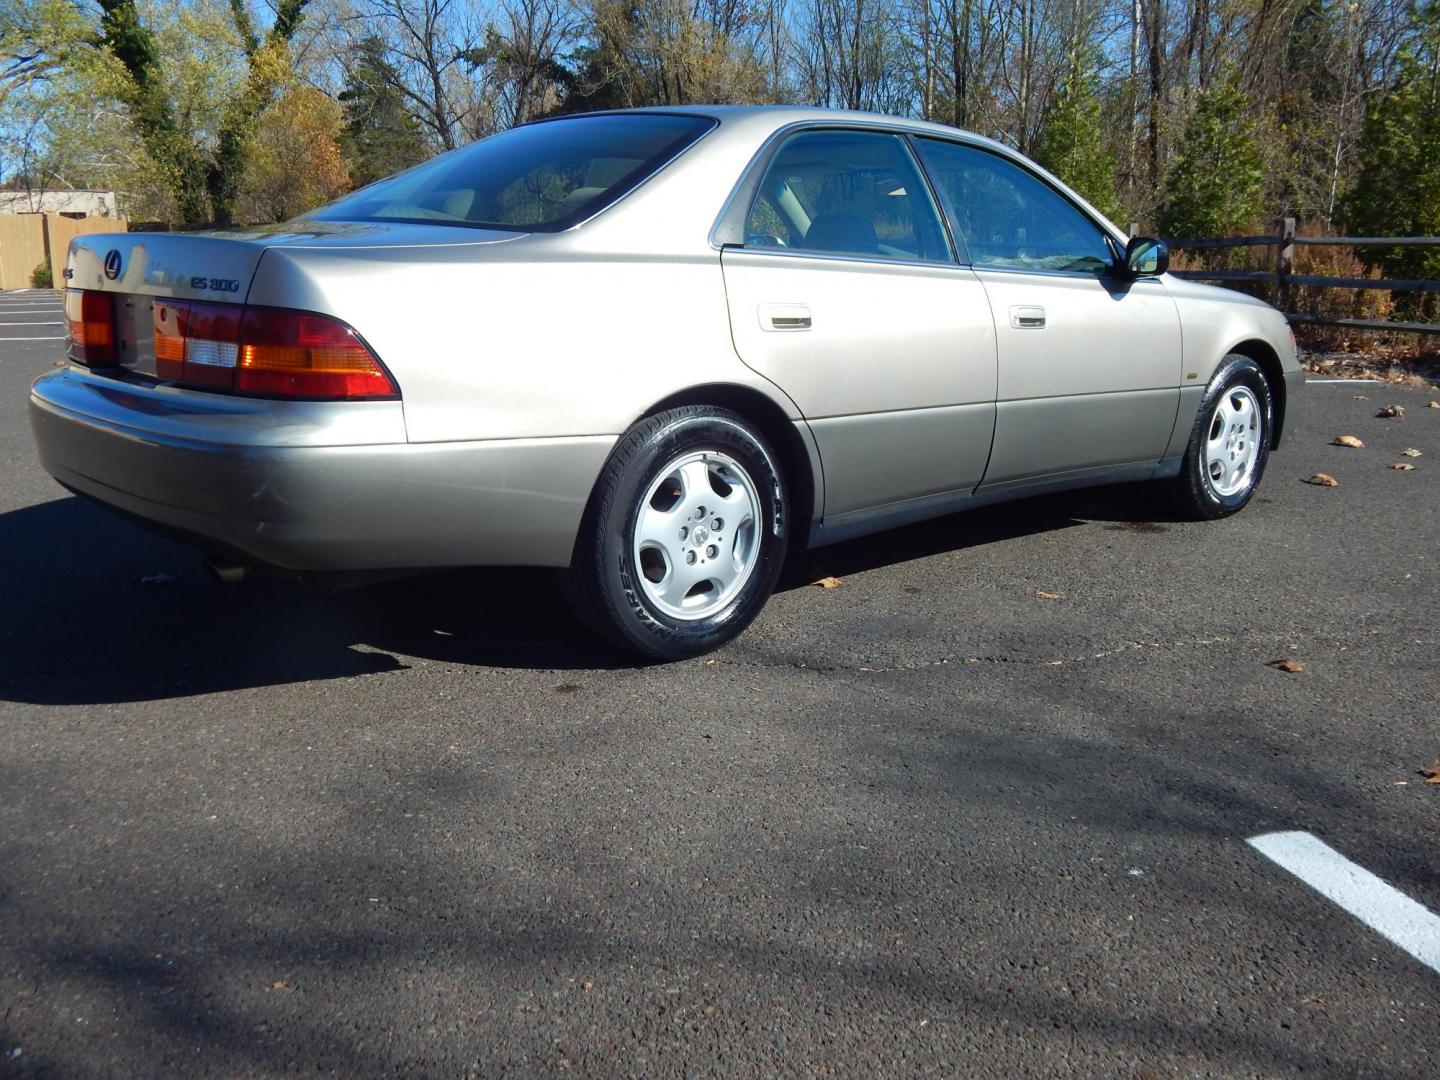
(1146, 257)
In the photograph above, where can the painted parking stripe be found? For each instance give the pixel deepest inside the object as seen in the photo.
(55, 337)
(48, 322)
(1383, 908)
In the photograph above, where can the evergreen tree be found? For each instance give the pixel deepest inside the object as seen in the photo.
(1072, 143)
(381, 136)
(1214, 187)
(1398, 190)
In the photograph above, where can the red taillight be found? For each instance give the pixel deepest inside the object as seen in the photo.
(294, 354)
(91, 316)
(269, 352)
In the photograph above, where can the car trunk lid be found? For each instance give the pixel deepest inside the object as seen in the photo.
(219, 266)
(140, 272)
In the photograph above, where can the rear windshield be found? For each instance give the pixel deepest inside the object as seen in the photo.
(540, 178)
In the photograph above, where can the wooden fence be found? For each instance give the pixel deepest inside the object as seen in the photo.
(27, 240)
(1283, 278)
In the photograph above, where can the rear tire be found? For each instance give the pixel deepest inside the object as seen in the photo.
(1229, 442)
(684, 537)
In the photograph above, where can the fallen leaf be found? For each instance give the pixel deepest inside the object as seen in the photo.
(1403, 466)
(1433, 405)
(1391, 412)
(1290, 667)
(1348, 440)
(1323, 479)
(1410, 451)
(828, 583)
(1041, 594)
(1431, 773)
(1361, 397)
(280, 984)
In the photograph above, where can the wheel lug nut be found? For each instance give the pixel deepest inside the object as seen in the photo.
(684, 532)
(690, 558)
(712, 551)
(716, 525)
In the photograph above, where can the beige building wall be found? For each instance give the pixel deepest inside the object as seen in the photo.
(61, 201)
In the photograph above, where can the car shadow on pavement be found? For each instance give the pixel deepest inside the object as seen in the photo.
(1127, 507)
(100, 610)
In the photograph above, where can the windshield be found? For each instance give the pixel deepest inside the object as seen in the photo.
(539, 178)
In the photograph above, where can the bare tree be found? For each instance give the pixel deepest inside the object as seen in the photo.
(430, 44)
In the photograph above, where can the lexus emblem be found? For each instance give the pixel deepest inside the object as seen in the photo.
(112, 264)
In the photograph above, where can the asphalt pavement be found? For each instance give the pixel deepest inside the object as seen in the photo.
(983, 809)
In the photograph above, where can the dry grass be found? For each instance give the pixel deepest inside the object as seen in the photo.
(1334, 350)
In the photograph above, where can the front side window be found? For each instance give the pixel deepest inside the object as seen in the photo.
(541, 177)
(846, 193)
(1008, 217)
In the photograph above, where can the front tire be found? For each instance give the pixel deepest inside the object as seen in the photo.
(1229, 443)
(684, 537)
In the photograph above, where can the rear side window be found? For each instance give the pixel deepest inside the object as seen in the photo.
(539, 178)
(846, 193)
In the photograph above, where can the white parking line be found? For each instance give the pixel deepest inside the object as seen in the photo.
(48, 322)
(1383, 908)
(57, 337)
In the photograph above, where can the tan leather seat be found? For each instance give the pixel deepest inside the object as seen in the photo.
(458, 203)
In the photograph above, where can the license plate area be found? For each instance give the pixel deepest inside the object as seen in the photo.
(135, 334)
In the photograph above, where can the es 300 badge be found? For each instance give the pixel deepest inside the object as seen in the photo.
(215, 284)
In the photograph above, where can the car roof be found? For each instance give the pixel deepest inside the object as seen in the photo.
(764, 119)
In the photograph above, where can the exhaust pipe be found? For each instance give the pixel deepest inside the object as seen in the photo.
(227, 571)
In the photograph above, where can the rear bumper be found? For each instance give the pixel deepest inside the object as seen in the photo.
(295, 486)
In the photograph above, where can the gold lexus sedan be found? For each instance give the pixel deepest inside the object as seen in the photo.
(654, 349)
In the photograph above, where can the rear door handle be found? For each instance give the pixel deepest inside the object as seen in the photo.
(1027, 318)
(784, 318)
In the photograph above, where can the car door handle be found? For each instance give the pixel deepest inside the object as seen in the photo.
(1027, 318)
(784, 318)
